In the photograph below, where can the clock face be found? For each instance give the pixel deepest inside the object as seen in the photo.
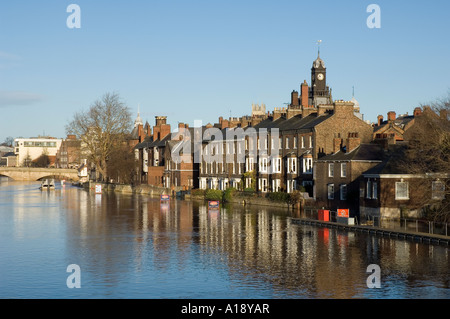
(320, 76)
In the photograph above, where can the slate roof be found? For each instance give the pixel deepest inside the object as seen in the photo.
(390, 162)
(294, 123)
(400, 122)
(364, 152)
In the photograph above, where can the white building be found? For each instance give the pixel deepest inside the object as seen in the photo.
(32, 148)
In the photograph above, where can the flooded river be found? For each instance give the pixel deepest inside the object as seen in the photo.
(134, 246)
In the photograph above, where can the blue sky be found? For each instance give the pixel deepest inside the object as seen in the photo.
(198, 60)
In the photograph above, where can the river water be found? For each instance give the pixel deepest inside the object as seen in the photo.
(134, 246)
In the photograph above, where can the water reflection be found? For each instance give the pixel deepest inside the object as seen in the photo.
(133, 246)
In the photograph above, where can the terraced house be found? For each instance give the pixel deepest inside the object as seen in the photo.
(279, 151)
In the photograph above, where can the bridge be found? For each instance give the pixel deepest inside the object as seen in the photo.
(35, 174)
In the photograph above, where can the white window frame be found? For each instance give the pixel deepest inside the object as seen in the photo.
(262, 185)
(276, 185)
(291, 185)
(399, 193)
(263, 165)
(330, 191)
(437, 190)
(344, 169)
(330, 169)
(307, 165)
(292, 165)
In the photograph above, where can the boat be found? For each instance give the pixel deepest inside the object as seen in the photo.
(51, 184)
(47, 184)
(44, 184)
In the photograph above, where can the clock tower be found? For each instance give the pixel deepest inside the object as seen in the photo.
(320, 92)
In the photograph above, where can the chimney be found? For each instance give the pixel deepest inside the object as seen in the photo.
(161, 129)
(337, 142)
(141, 134)
(304, 94)
(224, 124)
(149, 130)
(379, 119)
(294, 98)
(417, 111)
(278, 112)
(292, 112)
(160, 120)
(391, 116)
(353, 141)
(343, 109)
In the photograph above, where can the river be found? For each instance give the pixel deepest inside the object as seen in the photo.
(134, 246)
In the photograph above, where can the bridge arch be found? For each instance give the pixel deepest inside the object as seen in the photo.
(35, 174)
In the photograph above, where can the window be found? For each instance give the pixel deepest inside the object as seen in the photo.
(343, 169)
(343, 191)
(249, 164)
(276, 185)
(307, 165)
(263, 165)
(292, 165)
(401, 190)
(331, 170)
(276, 165)
(262, 184)
(374, 190)
(291, 186)
(330, 188)
(287, 143)
(371, 190)
(295, 142)
(303, 142)
(438, 190)
(310, 141)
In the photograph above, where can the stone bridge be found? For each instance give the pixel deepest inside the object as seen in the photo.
(35, 174)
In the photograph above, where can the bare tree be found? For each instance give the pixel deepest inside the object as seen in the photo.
(101, 129)
(9, 141)
(122, 165)
(428, 151)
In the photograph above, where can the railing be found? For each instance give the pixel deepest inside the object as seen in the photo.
(406, 224)
(399, 224)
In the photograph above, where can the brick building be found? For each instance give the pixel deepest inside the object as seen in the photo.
(69, 154)
(150, 153)
(288, 141)
(181, 171)
(337, 176)
(391, 191)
